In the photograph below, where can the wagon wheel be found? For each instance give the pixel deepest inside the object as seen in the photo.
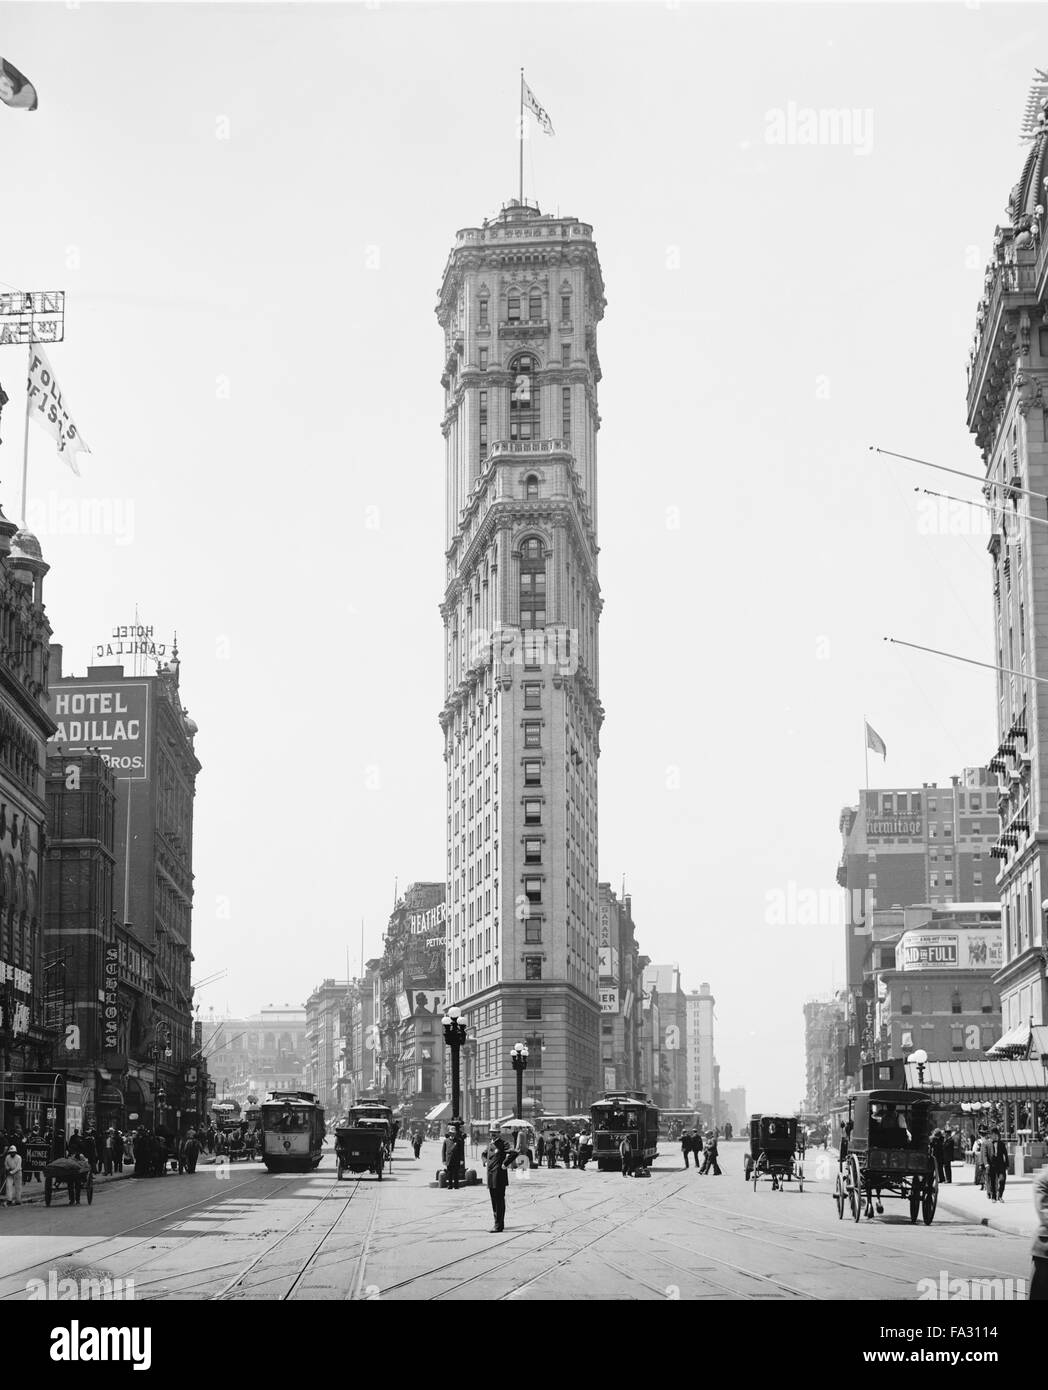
(839, 1196)
(855, 1188)
(90, 1188)
(930, 1198)
(379, 1169)
(758, 1168)
(48, 1188)
(915, 1200)
(747, 1167)
(339, 1170)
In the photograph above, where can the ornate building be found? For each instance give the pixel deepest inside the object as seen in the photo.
(413, 996)
(26, 1039)
(520, 302)
(1008, 414)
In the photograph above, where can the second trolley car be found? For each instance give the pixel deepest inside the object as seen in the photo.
(292, 1131)
(624, 1116)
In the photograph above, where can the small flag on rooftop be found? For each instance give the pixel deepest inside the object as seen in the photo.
(47, 407)
(875, 742)
(16, 90)
(531, 102)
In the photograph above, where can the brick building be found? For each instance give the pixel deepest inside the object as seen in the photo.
(140, 727)
(621, 981)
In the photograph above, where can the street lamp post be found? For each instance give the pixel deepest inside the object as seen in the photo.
(519, 1057)
(920, 1061)
(160, 1028)
(454, 1036)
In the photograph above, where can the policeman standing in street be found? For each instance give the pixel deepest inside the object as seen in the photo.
(498, 1160)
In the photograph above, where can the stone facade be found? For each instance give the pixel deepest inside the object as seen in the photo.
(519, 305)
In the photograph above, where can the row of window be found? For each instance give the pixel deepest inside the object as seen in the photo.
(514, 307)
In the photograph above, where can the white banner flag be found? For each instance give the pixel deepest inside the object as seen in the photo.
(540, 112)
(47, 408)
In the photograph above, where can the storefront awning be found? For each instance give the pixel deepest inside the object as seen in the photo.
(979, 1080)
(441, 1111)
(1015, 1043)
(109, 1095)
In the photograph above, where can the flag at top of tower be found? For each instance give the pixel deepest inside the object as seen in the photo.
(16, 90)
(541, 115)
(874, 741)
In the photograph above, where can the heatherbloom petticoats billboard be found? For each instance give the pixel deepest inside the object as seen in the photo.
(111, 718)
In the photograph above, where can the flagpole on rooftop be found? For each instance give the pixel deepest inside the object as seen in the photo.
(25, 442)
(520, 134)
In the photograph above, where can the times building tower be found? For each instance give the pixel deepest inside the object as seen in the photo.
(520, 301)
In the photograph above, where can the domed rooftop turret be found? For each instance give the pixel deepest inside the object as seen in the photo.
(25, 545)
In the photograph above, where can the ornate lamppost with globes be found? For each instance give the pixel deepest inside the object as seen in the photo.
(519, 1057)
(454, 1037)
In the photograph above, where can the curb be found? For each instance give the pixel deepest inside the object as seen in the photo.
(34, 1195)
(991, 1222)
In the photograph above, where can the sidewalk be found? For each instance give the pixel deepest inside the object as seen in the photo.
(33, 1191)
(1014, 1215)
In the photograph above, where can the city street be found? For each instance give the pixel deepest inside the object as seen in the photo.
(677, 1235)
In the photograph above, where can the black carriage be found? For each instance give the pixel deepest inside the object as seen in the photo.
(73, 1174)
(773, 1152)
(885, 1151)
(373, 1110)
(363, 1148)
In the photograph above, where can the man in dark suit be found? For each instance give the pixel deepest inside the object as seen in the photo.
(995, 1155)
(498, 1160)
(685, 1148)
(454, 1151)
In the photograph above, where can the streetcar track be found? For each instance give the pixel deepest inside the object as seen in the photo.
(204, 1204)
(866, 1245)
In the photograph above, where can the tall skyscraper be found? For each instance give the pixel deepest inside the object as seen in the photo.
(1008, 414)
(520, 301)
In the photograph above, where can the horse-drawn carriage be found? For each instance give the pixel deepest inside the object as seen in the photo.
(364, 1147)
(74, 1174)
(885, 1149)
(773, 1152)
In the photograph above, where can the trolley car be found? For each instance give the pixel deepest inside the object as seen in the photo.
(885, 1149)
(773, 1151)
(624, 1116)
(292, 1131)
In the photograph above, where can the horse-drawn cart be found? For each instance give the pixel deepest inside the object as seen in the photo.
(363, 1148)
(74, 1174)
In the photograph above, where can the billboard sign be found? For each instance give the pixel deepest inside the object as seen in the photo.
(111, 1012)
(609, 1001)
(895, 827)
(434, 919)
(604, 939)
(110, 717)
(960, 950)
(607, 963)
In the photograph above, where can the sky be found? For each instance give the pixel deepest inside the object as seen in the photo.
(250, 208)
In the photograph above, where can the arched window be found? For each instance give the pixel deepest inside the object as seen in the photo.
(532, 584)
(531, 487)
(956, 1007)
(523, 399)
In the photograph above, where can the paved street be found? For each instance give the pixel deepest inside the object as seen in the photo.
(253, 1235)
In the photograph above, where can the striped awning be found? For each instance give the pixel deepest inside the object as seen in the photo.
(441, 1111)
(979, 1080)
(1015, 1043)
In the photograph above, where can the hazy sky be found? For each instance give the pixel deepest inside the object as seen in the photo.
(250, 208)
